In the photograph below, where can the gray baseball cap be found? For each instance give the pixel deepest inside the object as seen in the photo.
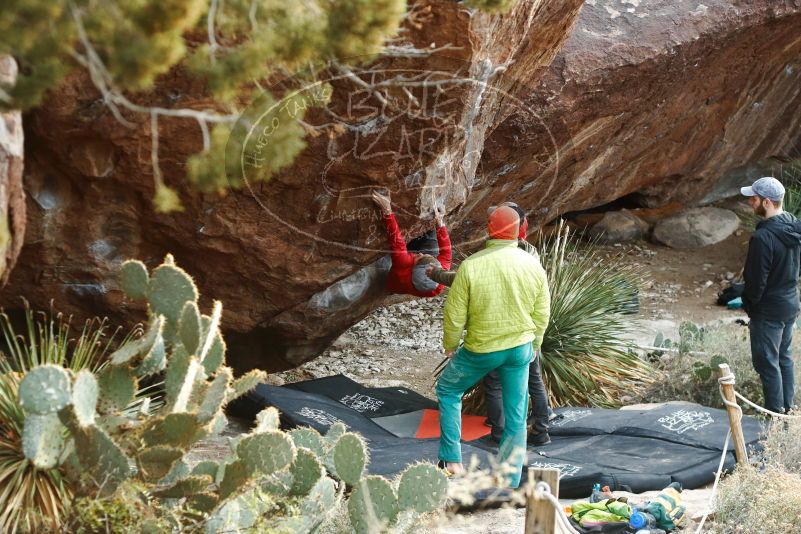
(766, 187)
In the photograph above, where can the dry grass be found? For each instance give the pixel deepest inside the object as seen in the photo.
(782, 445)
(755, 501)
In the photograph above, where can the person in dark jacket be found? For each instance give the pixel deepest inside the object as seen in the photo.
(541, 413)
(770, 297)
(408, 272)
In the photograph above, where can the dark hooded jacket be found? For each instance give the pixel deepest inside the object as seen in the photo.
(771, 269)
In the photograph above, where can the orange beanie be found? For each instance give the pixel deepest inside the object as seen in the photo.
(503, 223)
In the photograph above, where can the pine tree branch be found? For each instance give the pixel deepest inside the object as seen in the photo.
(409, 51)
(210, 23)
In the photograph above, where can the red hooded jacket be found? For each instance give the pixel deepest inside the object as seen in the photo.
(399, 279)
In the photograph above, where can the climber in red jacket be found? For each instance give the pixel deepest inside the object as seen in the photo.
(408, 273)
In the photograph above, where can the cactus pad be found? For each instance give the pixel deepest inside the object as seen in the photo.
(208, 467)
(246, 382)
(189, 327)
(117, 388)
(176, 373)
(278, 484)
(372, 506)
(314, 509)
(422, 488)
(218, 424)
(308, 438)
(214, 399)
(180, 430)
(155, 462)
(335, 431)
(266, 452)
(321, 499)
(267, 419)
(84, 397)
(234, 477)
(179, 470)
(155, 360)
(203, 502)
(134, 279)
(350, 458)
(210, 330)
(190, 485)
(43, 440)
(306, 471)
(98, 454)
(193, 371)
(140, 346)
(216, 355)
(169, 289)
(45, 389)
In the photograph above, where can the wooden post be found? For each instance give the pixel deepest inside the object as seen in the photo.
(540, 514)
(735, 416)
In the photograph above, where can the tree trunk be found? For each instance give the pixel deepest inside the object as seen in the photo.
(12, 196)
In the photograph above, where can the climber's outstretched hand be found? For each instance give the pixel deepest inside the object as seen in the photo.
(383, 202)
(439, 214)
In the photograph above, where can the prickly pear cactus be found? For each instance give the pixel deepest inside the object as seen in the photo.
(106, 428)
(266, 452)
(134, 279)
(45, 389)
(118, 387)
(42, 440)
(267, 419)
(422, 488)
(350, 458)
(306, 471)
(84, 397)
(189, 327)
(373, 505)
(169, 289)
(310, 439)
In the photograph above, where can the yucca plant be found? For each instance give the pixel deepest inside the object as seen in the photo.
(31, 499)
(586, 359)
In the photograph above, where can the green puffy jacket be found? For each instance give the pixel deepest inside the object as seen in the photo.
(500, 296)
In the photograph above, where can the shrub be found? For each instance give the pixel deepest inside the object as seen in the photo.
(586, 358)
(752, 500)
(781, 445)
(689, 374)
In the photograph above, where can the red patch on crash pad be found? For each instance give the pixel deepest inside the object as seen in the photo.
(473, 426)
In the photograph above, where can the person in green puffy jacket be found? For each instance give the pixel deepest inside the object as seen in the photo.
(541, 413)
(500, 298)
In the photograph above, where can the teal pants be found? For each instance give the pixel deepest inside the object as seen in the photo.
(464, 371)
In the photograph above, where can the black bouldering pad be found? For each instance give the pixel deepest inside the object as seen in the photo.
(635, 450)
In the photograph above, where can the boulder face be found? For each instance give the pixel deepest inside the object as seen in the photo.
(657, 98)
(12, 195)
(298, 260)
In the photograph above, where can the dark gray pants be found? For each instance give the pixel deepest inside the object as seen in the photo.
(538, 422)
(773, 361)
